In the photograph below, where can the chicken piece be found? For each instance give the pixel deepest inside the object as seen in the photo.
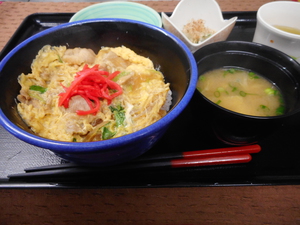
(23, 96)
(74, 126)
(79, 56)
(111, 62)
(77, 103)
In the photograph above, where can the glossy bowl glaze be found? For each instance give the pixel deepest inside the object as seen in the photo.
(279, 68)
(121, 10)
(166, 51)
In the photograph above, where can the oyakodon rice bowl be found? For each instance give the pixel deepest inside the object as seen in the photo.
(167, 53)
(77, 95)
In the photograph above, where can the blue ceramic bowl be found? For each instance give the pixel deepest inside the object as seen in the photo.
(166, 51)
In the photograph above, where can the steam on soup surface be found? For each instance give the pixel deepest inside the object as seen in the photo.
(241, 91)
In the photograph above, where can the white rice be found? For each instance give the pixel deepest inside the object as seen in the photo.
(168, 102)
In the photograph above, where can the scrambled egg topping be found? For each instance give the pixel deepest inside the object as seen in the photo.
(141, 104)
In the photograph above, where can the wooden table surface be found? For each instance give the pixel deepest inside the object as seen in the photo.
(138, 206)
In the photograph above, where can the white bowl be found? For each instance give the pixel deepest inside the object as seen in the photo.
(120, 10)
(207, 10)
(283, 14)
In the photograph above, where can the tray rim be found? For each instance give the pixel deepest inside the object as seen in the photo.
(5, 183)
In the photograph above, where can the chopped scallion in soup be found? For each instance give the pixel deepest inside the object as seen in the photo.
(242, 91)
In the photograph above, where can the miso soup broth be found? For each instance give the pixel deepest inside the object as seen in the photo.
(241, 91)
(291, 30)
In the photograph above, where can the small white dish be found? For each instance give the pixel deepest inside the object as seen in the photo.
(207, 10)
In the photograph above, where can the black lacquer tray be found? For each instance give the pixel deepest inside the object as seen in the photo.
(277, 163)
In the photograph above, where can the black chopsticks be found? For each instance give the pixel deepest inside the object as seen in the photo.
(220, 156)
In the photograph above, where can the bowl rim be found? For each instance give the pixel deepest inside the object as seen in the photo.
(158, 21)
(230, 45)
(87, 147)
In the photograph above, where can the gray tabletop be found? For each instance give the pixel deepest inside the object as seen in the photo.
(16, 155)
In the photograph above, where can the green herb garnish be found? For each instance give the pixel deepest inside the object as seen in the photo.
(218, 102)
(280, 110)
(58, 56)
(202, 78)
(119, 113)
(271, 91)
(38, 88)
(220, 89)
(122, 74)
(107, 134)
(264, 107)
(233, 88)
(229, 71)
(217, 94)
(243, 94)
(199, 89)
(253, 75)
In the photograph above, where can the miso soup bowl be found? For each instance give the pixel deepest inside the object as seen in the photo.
(167, 52)
(279, 68)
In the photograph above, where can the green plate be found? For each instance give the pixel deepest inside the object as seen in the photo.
(119, 9)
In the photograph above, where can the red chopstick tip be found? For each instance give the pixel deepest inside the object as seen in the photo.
(208, 161)
(223, 151)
